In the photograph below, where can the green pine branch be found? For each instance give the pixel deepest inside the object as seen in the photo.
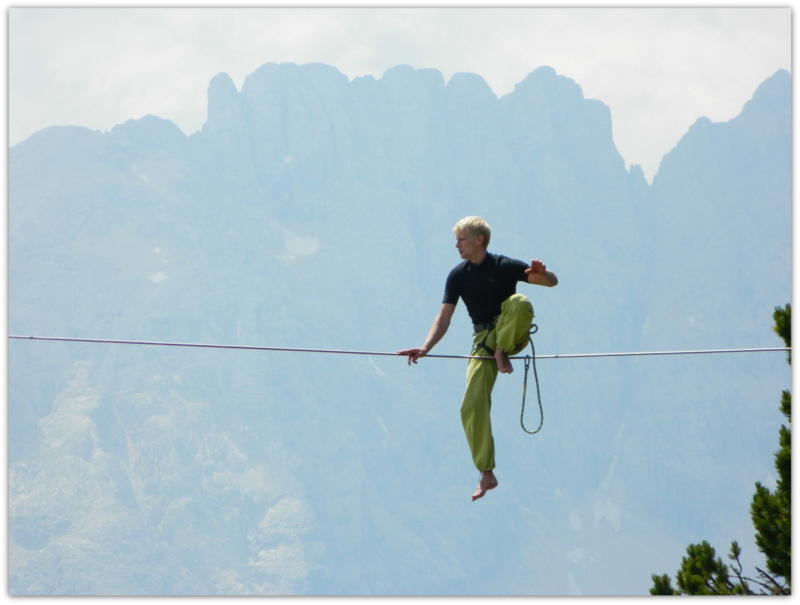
(702, 572)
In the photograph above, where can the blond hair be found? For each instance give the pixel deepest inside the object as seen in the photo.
(474, 226)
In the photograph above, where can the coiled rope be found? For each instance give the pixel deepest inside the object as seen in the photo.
(528, 359)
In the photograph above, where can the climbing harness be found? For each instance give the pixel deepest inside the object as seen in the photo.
(489, 326)
(482, 345)
(531, 360)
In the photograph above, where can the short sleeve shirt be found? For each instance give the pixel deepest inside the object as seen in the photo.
(484, 287)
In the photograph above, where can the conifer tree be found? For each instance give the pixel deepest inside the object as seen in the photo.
(702, 572)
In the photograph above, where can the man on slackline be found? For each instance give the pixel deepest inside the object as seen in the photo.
(501, 320)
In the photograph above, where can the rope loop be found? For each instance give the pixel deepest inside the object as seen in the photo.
(530, 360)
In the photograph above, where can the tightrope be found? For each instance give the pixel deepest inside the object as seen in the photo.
(384, 353)
(528, 358)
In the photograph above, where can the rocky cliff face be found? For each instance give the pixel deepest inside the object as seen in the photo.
(312, 211)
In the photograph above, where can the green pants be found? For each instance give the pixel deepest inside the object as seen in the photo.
(511, 335)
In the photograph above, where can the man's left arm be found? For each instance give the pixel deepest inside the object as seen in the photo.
(539, 275)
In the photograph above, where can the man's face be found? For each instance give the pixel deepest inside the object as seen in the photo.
(468, 245)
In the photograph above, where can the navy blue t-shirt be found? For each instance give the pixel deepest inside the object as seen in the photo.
(484, 287)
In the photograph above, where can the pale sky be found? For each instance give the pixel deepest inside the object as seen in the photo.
(658, 70)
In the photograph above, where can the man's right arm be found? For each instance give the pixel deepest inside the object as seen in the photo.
(439, 328)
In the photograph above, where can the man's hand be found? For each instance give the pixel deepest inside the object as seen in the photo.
(537, 267)
(438, 329)
(414, 354)
(538, 274)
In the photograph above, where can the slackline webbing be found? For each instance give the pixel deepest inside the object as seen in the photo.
(529, 359)
(344, 352)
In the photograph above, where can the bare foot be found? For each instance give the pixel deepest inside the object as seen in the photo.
(503, 363)
(488, 481)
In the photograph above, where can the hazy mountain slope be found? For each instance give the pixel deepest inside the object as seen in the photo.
(313, 211)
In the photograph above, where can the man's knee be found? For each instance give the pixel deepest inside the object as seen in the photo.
(476, 400)
(518, 303)
(478, 394)
(518, 306)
